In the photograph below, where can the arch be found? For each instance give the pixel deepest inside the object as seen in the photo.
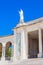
(0, 50)
(8, 50)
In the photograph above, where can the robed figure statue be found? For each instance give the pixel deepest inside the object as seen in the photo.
(21, 15)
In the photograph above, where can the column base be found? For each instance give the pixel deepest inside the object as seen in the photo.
(28, 56)
(40, 55)
(24, 57)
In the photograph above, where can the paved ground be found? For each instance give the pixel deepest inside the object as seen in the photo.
(35, 61)
(38, 61)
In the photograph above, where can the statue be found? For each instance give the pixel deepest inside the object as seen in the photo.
(21, 15)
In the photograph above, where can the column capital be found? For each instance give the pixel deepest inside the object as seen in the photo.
(4, 44)
(39, 29)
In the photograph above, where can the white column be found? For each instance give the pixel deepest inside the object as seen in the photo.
(40, 44)
(3, 52)
(23, 45)
(15, 51)
(14, 47)
(27, 45)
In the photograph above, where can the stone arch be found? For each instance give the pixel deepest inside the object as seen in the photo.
(8, 50)
(0, 50)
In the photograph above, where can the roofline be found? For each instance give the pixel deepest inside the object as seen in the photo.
(31, 22)
(6, 36)
(35, 21)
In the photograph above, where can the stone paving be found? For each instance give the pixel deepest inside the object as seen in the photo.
(36, 61)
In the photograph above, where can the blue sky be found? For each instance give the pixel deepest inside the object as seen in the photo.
(9, 16)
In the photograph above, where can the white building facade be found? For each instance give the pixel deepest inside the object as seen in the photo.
(27, 41)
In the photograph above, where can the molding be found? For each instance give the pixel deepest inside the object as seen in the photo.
(30, 23)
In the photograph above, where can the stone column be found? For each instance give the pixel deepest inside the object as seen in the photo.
(3, 52)
(40, 44)
(15, 52)
(14, 47)
(27, 45)
(23, 45)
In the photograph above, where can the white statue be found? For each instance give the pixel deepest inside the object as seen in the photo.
(21, 15)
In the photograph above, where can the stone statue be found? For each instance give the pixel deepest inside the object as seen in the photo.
(21, 15)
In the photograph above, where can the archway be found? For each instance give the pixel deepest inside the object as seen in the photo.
(0, 50)
(8, 51)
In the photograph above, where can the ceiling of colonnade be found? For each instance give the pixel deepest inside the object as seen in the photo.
(33, 34)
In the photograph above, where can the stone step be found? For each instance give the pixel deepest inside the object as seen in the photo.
(38, 61)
